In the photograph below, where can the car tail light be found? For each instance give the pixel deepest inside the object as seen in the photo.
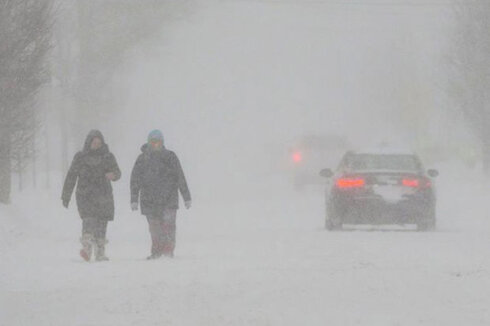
(412, 183)
(416, 183)
(350, 183)
(297, 157)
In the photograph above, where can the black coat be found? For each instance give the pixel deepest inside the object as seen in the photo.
(156, 180)
(94, 190)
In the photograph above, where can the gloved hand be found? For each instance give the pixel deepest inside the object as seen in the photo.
(134, 206)
(188, 204)
(65, 203)
(110, 176)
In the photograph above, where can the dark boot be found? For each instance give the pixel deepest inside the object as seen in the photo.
(154, 256)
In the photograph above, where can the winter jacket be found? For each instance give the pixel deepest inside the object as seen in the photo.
(156, 180)
(94, 191)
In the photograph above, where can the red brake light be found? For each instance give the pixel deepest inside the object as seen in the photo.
(350, 182)
(297, 157)
(416, 183)
(413, 183)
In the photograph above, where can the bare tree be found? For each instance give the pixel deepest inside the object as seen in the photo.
(470, 70)
(107, 29)
(91, 39)
(25, 27)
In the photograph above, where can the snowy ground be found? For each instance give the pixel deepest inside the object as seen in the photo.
(250, 262)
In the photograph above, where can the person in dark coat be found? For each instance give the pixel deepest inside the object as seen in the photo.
(92, 170)
(156, 180)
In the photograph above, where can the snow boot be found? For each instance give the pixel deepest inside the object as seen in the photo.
(87, 243)
(100, 250)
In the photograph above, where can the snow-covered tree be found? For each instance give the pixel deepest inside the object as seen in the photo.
(470, 73)
(91, 40)
(25, 27)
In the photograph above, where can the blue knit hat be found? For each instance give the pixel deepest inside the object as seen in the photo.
(155, 135)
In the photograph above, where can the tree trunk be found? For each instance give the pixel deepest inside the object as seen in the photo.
(19, 171)
(5, 169)
(34, 167)
(48, 161)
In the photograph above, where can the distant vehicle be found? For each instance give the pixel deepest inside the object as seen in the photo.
(380, 187)
(310, 153)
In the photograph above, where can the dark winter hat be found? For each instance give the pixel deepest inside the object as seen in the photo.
(155, 135)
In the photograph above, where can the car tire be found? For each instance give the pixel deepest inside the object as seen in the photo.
(429, 223)
(332, 225)
(422, 226)
(332, 220)
(328, 224)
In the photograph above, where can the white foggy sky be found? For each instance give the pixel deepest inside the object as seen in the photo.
(229, 80)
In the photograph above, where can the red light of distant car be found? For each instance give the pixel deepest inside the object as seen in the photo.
(297, 157)
(350, 182)
(417, 183)
(412, 183)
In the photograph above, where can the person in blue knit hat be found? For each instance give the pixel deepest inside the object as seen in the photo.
(156, 136)
(156, 180)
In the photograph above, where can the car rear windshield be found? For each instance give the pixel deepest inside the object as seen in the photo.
(383, 162)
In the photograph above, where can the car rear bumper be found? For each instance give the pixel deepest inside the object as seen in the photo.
(378, 211)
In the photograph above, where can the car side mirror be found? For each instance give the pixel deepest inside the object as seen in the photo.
(432, 173)
(326, 173)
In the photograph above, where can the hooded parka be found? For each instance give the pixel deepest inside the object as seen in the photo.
(88, 171)
(156, 180)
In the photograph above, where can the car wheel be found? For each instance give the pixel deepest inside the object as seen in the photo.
(428, 224)
(333, 224)
(431, 224)
(422, 226)
(332, 220)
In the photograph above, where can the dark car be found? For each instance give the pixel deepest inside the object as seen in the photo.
(380, 187)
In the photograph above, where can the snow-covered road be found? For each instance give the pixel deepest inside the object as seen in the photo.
(250, 262)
